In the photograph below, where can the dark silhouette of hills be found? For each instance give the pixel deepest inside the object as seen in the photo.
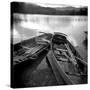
(29, 8)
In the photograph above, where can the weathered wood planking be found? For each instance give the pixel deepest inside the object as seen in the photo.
(60, 75)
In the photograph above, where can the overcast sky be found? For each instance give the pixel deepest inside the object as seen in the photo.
(56, 2)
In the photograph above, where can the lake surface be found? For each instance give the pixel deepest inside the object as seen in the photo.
(30, 25)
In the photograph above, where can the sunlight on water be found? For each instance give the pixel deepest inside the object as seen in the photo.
(73, 26)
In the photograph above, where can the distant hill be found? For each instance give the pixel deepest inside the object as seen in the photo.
(21, 7)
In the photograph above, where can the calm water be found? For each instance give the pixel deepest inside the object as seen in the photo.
(31, 25)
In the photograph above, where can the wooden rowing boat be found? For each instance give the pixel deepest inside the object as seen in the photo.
(69, 60)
